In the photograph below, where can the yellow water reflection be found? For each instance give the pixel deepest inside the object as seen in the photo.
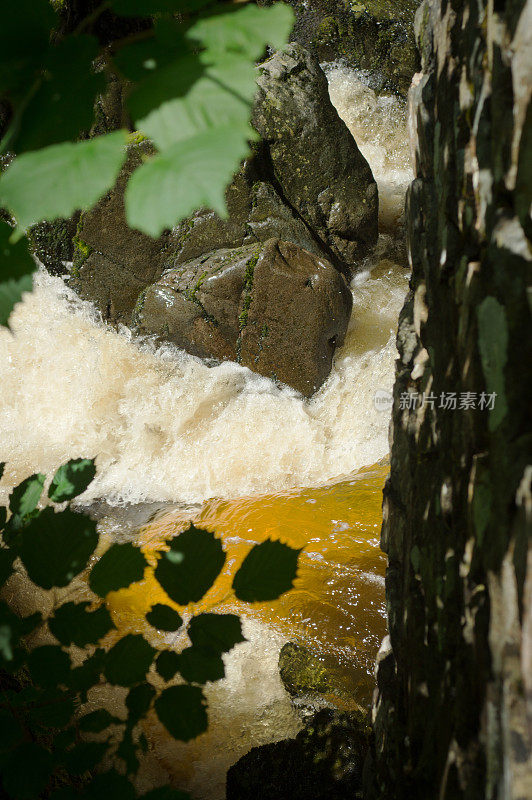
(337, 605)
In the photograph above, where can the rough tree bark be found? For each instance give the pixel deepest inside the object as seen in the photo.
(453, 708)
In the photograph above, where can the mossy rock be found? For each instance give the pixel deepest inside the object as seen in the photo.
(52, 243)
(324, 762)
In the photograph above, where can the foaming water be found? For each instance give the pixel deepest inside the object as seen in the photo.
(378, 124)
(166, 427)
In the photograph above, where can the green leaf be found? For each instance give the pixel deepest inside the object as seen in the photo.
(25, 775)
(129, 660)
(167, 81)
(6, 565)
(165, 793)
(110, 785)
(219, 99)
(163, 618)
(15, 259)
(97, 721)
(246, 30)
(190, 567)
(138, 702)
(24, 36)
(144, 8)
(88, 674)
(167, 664)
(84, 757)
(183, 711)
(71, 479)
(72, 623)
(49, 666)
(55, 548)
(63, 104)
(199, 665)
(268, 571)
(24, 497)
(54, 709)
(120, 566)
(11, 293)
(58, 180)
(189, 175)
(216, 632)
(11, 731)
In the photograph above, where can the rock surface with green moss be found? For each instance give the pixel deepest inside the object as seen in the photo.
(373, 35)
(273, 307)
(322, 174)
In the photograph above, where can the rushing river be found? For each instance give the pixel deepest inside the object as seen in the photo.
(236, 454)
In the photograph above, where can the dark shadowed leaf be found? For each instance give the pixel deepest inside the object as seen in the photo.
(55, 548)
(88, 674)
(183, 711)
(26, 773)
(54, 709)
(72, 623)
(190, 567)
(11, 293)
(6, 564)
(84, 757)
(63, 104)
(138, 702)
(97, 721)
(268, 570)
(111, 786)
(129, 660)
(143, 8)
(167, 664)
(198, 665)
(217, 632)
(15, 258)
(164, 618)
(24, 497)
(49, 665)
(127, 751)
(11, 732)
(24, 36)
(71, 479)
(119, 566)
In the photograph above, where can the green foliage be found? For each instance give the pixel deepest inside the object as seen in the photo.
(188, 79)
(119, 566)
(71, 479)
(267, 572)
(16, 263)
(164, 618)
(191, 565)
(42, 721)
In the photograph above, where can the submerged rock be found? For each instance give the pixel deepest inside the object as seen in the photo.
(274, 308)
(324, 762)
(324, 177)
(303, 673)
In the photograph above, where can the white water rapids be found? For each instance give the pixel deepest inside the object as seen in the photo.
(163, 425)
(166, 427)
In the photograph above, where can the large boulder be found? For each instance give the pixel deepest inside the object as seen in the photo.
(324, 762)
(322, 174)
(273, 307)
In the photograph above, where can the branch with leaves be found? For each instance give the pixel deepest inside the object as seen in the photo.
(42, 692)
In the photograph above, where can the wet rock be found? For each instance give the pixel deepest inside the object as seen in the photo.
(316, 161)
(324, 762)
(52, 243)
(274, 308)
(304, 674)
(374, 35)
(112, 263)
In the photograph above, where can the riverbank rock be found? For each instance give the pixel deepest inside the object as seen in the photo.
(324, 177)
(274, 308)
(112, 263)
(324, 762)
(373, 35)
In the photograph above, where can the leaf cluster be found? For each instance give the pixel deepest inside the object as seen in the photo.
(187, 74)
(42, 691)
